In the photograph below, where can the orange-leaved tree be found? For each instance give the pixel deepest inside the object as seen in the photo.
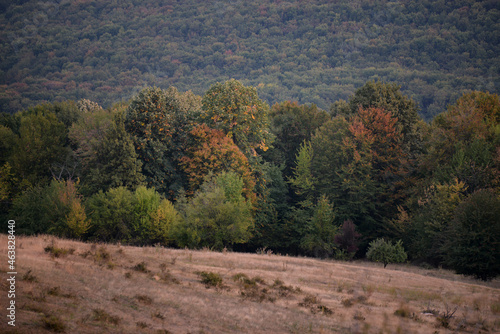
(211, 151)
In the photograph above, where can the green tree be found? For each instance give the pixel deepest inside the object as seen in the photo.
(56, 209)
(320, 230)
(32, 211)
(114, 162)
(383, 251)
(68, 217)
(140, 217)
(112, 214)
(431, 218)
(217, 216)
(327, 146)
(41, 144)
(67, 112)
(292, 124)
(155, 218)
(158, 121)
(7, 142)
(303, 181)
(270, 229)
(472, 240)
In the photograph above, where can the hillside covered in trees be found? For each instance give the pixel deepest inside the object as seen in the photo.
(313, 51)
(226, 170)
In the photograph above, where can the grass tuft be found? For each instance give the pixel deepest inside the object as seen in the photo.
(144, 299)
(29, 277)
(141, 267)
(103, 316)
(53, 323)
(55, 251)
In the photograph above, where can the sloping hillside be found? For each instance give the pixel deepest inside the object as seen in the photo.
(76, 287)
(313, 51)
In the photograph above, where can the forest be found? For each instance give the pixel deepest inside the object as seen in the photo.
(227, 171)
(309, 51)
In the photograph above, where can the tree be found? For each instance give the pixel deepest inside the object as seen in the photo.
(472, 245)
(139, 217)
(271, 229)
(210, 151)
(463, 143)
(7, 142)
(87, 134)
(292, 124)
(67, 112)
(431, 218)
(320, 230)
(41, 144)
(158, 121)
(56, 209)
(109, 161)
(155, 218)
(327, 146)
(303, 181)
(112, 214)
(217, 216)
(346, 240)
(388, 96)
(239, 113)
(383, 251)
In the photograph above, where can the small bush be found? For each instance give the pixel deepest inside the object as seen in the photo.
(53, 323)
(141, 267)
(385, 252)
(210, 279)
(103, 316)
(157, 314)
(495, 307)
(58, 252)
(144, 299)
(284, 290)
(444, 318)
(142, 324)
(246, 281)
(358, 316)
(167, 277)
(403, 311)
(313, 303)
(101, 254)
(347, 302)
(55, 291)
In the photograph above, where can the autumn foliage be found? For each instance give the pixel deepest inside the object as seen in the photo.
(210, 151)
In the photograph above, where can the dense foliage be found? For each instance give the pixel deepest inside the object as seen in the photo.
(226, 171)
(314, 51)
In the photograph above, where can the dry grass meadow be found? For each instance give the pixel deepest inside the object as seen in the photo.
(74, 287)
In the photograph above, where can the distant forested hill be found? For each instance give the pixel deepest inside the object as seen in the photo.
(311, 51)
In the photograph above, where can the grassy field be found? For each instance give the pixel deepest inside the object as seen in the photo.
(75, 287)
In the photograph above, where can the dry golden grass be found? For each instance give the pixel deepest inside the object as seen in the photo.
(101, 288)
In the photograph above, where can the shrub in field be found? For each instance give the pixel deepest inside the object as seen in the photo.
(210, 279)
(383, 251)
